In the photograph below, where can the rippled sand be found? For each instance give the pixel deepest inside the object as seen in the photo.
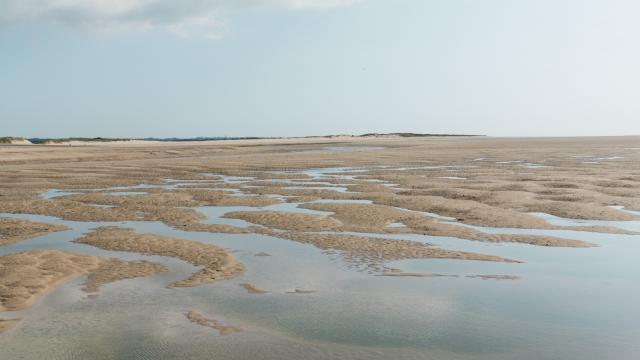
(26, 276)
(510, 179)
(218, 264)
(15, 230)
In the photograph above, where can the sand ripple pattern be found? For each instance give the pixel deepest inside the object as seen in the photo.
(218, 264)
(16, 230)
(26, 276)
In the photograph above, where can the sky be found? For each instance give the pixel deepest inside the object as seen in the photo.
(187, 68)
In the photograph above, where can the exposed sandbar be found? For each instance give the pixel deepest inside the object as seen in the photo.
(218, 263)
(287, 220)
(252, 289)
(16, 230)
(370, 250)
(26, 276)
(200, 319)
(375, 218)
(7, 324)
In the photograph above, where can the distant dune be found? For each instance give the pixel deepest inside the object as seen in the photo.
(14, 141)
(104, 141)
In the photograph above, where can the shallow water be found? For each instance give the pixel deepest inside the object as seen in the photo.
(54, 193)
(215, 214)
(334, 188)
(569, 303)
(556, 220)
(127, 193)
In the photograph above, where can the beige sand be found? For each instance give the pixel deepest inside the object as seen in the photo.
(252, 289)
(165, 207)
(201, 320)
(16, 230)
(374, 251)
(287, 220)
(375, 218)
(26, 276)
(218, 263)
(7, 324)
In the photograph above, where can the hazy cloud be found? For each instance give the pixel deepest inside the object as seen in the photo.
(182, 17)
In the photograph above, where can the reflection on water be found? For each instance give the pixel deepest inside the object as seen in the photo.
(570, 303)
(555, 220)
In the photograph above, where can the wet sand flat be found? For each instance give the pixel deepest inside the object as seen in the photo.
(500, 188)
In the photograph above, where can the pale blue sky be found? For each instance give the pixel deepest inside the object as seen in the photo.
(137, 68)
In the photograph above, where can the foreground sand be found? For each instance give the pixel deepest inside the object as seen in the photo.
(26, 276)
